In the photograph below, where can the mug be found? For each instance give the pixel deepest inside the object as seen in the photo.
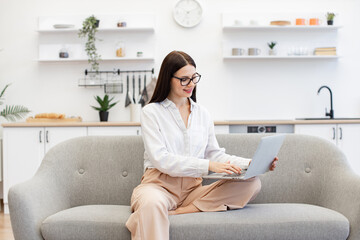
(300, 21)
(254, 51)
(314, 21)
(253, 22)
(135, 112)
(237, 22)
(237, 51)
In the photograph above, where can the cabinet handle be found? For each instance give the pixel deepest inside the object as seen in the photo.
(47, 136)
(40, 133)
(137, 132)
(333, 133)
(341, 133)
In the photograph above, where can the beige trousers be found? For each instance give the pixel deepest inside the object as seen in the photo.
(158, 193)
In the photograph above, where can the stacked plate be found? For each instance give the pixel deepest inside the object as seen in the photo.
(63, 26)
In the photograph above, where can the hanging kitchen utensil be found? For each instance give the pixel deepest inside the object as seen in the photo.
(114, 83)
(133, 83)
(121, 83)
(139, 95)
(112, 88)
(144, 96)
(141, 101)
(127, 98)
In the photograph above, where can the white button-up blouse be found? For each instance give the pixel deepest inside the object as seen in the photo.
(179, 151)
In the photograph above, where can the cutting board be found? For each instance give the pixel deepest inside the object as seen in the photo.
(60, 120)
(280, 23)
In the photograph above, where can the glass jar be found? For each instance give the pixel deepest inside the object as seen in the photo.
(120, 49)
(121, 22)
(139, 54)
(63, 53)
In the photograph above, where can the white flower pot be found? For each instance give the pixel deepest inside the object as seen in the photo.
(272, 52)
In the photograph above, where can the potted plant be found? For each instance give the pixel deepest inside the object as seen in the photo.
(271, 45)
(89, 30)
(11, 113)
(105, 106)
(330, 18)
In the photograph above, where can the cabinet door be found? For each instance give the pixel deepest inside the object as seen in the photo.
(221, 129)
(55, 135)
(23, 151)
(114, 131)
(349, 142)
(326, 131)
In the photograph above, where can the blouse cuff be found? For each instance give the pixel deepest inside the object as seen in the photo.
(203, 167)
(242, 162)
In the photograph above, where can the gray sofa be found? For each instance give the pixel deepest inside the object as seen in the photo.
(82, 191)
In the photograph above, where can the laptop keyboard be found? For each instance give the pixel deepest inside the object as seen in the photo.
(243, 171)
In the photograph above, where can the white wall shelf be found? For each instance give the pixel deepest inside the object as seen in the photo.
(286, 28)
(123, 29)
(241, 30)
(279, 57)
(137, 36)
(103, 59)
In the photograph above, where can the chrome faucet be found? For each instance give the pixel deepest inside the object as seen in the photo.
(331, 113)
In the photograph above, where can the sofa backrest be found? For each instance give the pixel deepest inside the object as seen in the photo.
(97, 169)
(305, 164)
(105, 170)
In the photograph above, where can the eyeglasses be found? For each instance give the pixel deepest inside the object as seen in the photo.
(186, 81)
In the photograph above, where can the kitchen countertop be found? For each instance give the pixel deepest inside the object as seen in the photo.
(224, 122)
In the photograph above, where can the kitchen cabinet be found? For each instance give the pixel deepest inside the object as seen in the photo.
(55, 135)
(345, 136)
(253, 30)
(114, 131)
(221, 129)
(24, 149)
(136, 130)
(61, 32)
(326, 131)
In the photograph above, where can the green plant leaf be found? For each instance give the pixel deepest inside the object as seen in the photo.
(106, 98)
(112, 105)
(105, 103)
(99, 100)
(89, 30)
(3, 91)
(271, 45)
(96, 108)
(11, 113)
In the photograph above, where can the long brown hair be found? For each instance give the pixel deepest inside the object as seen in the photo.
(170, 65)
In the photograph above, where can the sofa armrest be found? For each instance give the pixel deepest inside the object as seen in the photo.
(341, 192)
(33, 201)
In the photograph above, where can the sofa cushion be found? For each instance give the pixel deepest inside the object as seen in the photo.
(255, 221)
(263, 222)
(88, 222)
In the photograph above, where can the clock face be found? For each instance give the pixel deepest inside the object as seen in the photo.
(188, 13)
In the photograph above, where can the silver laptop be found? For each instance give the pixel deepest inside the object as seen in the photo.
(266, 151)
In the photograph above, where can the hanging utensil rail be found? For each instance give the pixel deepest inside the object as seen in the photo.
(110, 80)
(100, 72)
(138, 71)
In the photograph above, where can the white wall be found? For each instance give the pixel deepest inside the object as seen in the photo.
(230, 90)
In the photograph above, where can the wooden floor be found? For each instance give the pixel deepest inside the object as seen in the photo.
(5, 226)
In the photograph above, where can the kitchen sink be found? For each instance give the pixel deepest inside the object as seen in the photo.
(327, 118)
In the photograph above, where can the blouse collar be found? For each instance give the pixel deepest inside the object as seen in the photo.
(167, 103)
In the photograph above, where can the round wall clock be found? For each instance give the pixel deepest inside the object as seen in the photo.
(188, 13)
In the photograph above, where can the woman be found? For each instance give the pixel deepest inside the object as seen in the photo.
(180, 147)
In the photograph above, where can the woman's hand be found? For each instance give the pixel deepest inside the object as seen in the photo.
(220, 167)
(273, 164)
